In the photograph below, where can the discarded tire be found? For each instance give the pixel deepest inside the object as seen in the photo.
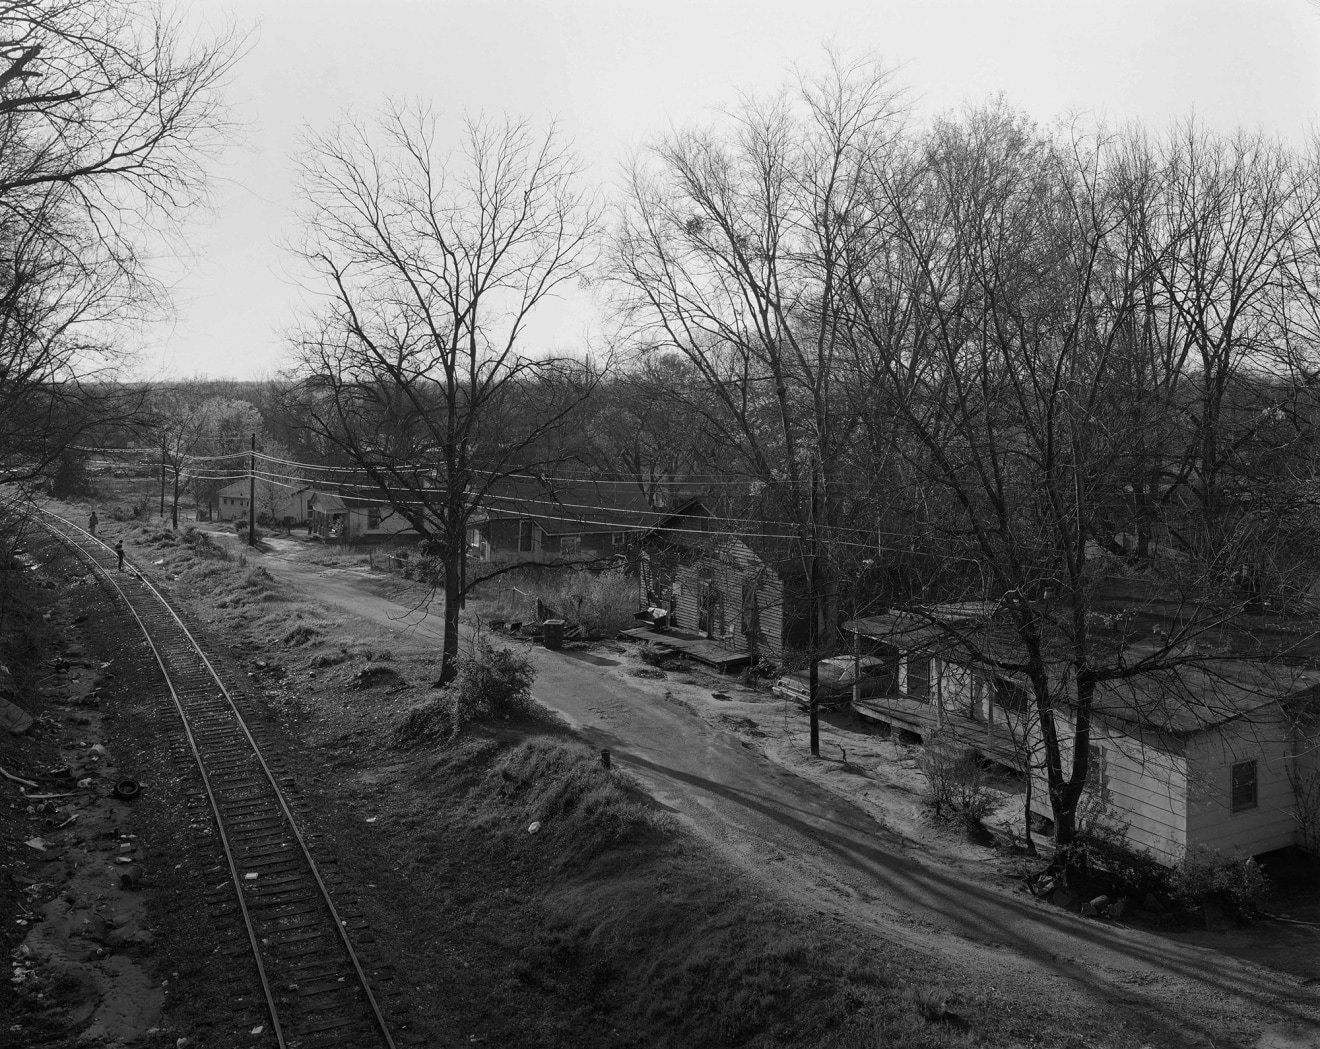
(127, 789)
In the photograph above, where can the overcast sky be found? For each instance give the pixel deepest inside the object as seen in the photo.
(615, 74)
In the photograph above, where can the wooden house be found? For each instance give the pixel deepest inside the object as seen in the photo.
(1210, 754)
(746, 592)
(276, 503)
(351, 519)
(548, 521)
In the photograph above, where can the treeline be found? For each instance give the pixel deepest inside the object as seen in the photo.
(967, 360)
(108, 116)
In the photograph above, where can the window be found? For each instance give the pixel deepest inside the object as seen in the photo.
(526, 536)
(1242, 788)
(570, 544)
(918, 677)
(617, 538)
(1010, 696)
(373, 517)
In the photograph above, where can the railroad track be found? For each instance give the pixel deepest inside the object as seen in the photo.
(316, 988)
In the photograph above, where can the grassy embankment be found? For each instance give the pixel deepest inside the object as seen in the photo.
(608, 926)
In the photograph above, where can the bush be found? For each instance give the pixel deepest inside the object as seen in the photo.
(241, 530)
(956, 780)
(1101, 851)
(424, 568)
(494, 681)
(491, 682)
(1205, 874)
(203, 545)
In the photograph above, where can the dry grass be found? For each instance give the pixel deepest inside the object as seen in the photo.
(602, 603)
(610, 925)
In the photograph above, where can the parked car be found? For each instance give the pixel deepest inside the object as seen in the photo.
(834, 681)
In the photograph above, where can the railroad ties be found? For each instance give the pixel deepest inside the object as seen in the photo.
(315, 985)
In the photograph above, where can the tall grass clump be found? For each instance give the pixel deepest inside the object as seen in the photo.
(567, 789)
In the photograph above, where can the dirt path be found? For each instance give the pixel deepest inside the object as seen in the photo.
(815, 845)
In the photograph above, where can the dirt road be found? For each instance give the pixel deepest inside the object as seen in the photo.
(806, 842)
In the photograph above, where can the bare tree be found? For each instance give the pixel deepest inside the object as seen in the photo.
(1003, 304)
(730, 251)
(204, 440)
(639, 429)
(107, 119)
(430, 262)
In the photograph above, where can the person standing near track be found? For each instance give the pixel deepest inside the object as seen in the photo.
(119, 552)
(91, 523)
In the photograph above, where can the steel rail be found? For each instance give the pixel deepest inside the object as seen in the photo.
(74, 538)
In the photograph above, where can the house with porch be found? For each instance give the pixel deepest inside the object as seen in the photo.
(1215, 752)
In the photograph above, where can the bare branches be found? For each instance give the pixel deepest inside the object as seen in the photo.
(107, 117)
(429, 263)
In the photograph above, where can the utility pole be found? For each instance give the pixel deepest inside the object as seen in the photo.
(813, 625)
(252, 494)
(162, 477)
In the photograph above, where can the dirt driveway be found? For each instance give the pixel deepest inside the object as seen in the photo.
(734, 765)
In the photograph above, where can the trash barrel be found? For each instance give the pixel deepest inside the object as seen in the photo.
(552, 633)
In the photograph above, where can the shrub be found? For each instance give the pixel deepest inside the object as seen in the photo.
(203, 545)
(494, 681)
(1101, 850)
(1206, 873)
(241, 530)
(956, 781)
(491, 682)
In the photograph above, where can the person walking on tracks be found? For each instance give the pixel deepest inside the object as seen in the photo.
(91, 523)
(119, 552)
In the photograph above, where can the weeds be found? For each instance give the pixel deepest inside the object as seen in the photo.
(302, 634)
(602, 603)
(957, 781)
(656, 656)
(568, 790)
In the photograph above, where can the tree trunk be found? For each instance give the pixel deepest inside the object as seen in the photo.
(453, 597)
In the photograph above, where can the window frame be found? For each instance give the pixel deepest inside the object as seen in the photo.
(921, 680)
(1002, 689)
(1237, 783)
